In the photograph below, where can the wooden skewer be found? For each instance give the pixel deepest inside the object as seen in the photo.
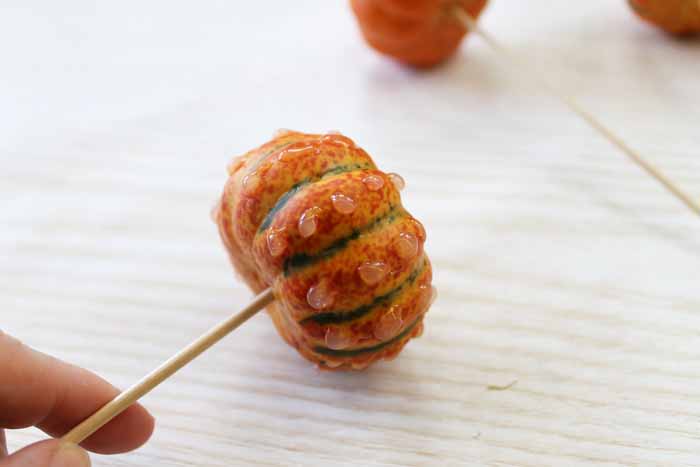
(470, 23)
(124, 400)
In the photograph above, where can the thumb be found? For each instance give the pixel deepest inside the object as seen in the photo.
(52, 453)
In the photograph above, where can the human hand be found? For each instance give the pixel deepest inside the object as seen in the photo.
(38, 390)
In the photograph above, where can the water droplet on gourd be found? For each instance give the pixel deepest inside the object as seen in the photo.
(342, 203)
(320, 296)
(337, 339)
(373, 182)
(407, 245)
(397, 180)
(251, 182)
(281, 132)
(276, 242)
(214, 212)
(308, 222)
(373, 272)
(388, 325)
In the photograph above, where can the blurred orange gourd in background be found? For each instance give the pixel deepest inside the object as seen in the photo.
(420, 33)
(681, 17)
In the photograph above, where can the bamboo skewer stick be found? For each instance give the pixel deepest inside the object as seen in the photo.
(124, 400)
(470, 23)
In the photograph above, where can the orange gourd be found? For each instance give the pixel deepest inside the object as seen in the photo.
(420, 33)
(313, 218)
(680, 17)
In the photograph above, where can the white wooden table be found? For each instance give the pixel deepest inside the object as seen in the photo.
(559, 264)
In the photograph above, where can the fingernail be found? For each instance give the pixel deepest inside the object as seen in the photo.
(70, 455)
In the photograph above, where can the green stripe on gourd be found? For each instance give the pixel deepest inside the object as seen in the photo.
(263, 157)
(302, 260)
(363, 350)
(336, 317)
(284, 199)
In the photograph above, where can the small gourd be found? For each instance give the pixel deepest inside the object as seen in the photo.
(419, 33)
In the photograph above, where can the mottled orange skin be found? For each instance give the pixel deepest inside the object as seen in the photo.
(419, 33)
(275, 168)
(679, 17)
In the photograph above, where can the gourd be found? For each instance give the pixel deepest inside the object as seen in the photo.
(420, 33)
(313, 218)
(680, 17)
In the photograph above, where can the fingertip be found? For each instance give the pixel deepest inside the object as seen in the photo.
(51, 453)
(147, 424)
(3, 443)
(70, 455)
(128, 431)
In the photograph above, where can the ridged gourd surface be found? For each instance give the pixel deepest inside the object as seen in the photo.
(312, 217)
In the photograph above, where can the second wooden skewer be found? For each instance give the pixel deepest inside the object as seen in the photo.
(470, 23)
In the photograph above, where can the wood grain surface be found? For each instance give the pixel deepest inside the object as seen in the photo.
(560, 266)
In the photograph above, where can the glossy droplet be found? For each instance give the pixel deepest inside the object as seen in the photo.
(407, 245)
(276, 242)
(308, 222)
(361, 362)
(373, 272)
(428, 295)
(320, 296)
(359, 365)
(343, 204)
(388, 325)
(214, 213)
(419, 228)
(337, 138)
(424, 294)
(337, 339)
(296, 148)
(397, 180)
(333, 363)
(391, 355)
(281, 132)
(251, 181)
(364, 336)
(373, 182)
